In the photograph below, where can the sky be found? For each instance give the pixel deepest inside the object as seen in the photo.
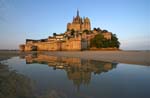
(38, 19)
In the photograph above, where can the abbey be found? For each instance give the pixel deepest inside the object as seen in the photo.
(77, 36)
(79, 24)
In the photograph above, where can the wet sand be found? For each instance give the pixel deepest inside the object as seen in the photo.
(129, 57)
(7, 54)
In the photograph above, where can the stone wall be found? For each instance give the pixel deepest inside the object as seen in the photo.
(71, 44)
(47, 46)
(22, 47)
(28, 47)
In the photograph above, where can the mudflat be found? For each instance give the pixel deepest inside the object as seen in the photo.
(6, 54)
(129, 57)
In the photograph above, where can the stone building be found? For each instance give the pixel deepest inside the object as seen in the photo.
(54, 45)
(79, 24)
(76, 37)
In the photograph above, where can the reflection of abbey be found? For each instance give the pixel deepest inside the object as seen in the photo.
(78, 70)
(76, 37)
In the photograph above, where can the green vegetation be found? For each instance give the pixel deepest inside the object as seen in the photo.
(54, 34)
(100, 42)
(97, 41)
(86, 31)
(97, 29)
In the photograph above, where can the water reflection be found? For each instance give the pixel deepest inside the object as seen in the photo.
(78, 70)
(39, 75)
(13, 84)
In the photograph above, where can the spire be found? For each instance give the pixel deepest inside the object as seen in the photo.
(77, 13)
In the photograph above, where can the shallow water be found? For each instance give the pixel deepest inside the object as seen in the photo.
(43, 76)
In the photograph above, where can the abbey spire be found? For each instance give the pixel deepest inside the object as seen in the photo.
(78, 13)
(79, 23)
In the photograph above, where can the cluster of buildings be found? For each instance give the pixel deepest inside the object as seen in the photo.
(77, 37)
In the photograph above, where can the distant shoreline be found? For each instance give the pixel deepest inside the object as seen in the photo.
(128, 57)
(6, 54)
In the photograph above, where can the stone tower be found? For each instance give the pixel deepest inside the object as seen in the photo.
(79, 24)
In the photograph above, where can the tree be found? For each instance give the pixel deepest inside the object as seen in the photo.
(86, 31)
(54, 34)
(104, 31)
(106, 43)
(99, 30)
(95, 29)
(114, 41)
(100, 42)
(97, 41)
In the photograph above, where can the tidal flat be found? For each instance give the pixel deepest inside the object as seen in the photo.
(129, 57)
(69, 75)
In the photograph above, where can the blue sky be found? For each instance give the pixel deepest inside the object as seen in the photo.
(36, 19)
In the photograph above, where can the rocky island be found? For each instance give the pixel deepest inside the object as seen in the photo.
(78, 36)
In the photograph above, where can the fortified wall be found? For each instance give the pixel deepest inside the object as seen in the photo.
(76, 37)
(55, 45)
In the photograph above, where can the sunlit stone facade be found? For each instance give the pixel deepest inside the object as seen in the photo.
(76, 37)
(79, 24)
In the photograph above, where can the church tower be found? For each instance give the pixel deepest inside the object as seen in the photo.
(79, 24)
